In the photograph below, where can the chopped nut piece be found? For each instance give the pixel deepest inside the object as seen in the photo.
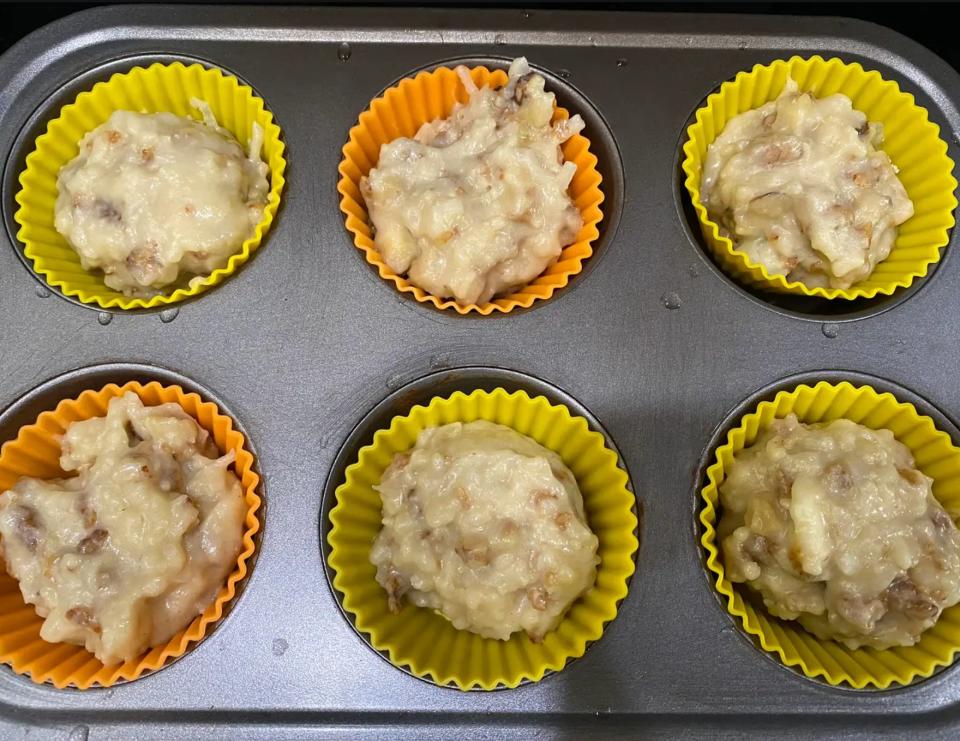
(83, 617)
(542, 496)
(838, 478)
(903, 596)
(539, 598)
(107, 211)
(757, 547)
(27, 527)
(93, 542)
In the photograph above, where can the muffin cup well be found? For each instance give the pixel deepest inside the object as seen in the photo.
(35, 452)
(935, 455)
(910, 139)
(400, 112)
(425, 642)
(153, 89)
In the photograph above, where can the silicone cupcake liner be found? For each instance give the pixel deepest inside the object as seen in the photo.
(935, 455)
(35, 452)
(400, 112)
(422, 640)
(157, 88)
(910, 139)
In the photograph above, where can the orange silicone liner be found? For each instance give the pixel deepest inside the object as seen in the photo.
(36, 452)
(400, 112)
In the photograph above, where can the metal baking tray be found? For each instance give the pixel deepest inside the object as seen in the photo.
(652, 340)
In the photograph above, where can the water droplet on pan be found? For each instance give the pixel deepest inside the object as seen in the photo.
(280, 647)
(168, 315)
(42, 292)
(79, 733)
(395, 382)
(344, 51)
(671, 300)
(621, 62)
(565, 74)
(104, 317)
(526, 14)
(831, 331)
(499, 39)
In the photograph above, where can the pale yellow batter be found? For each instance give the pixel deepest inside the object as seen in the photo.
(126, 553)
(836, 528)
(799, 185)
(153, 198)
(476, 205)
(486, 526)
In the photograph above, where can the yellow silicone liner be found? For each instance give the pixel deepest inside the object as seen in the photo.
(154, 89)
(910, 139)
(424, 641)
(935, 455)
(35, 452)
(400, 112)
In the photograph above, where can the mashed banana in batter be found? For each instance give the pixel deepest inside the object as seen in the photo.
(153, 197)
(476, 205)
(799, 185)
(836, 528)
(486, 526)
(125, 554)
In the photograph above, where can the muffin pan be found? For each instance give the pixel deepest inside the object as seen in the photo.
(304, 340)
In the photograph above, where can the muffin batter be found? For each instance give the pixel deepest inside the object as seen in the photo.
(799, 186)
(125, 554)
(476, 205)
(835, 527)
(486, 526)
(151, 197)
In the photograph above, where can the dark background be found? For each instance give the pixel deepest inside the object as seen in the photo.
(931, 24)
